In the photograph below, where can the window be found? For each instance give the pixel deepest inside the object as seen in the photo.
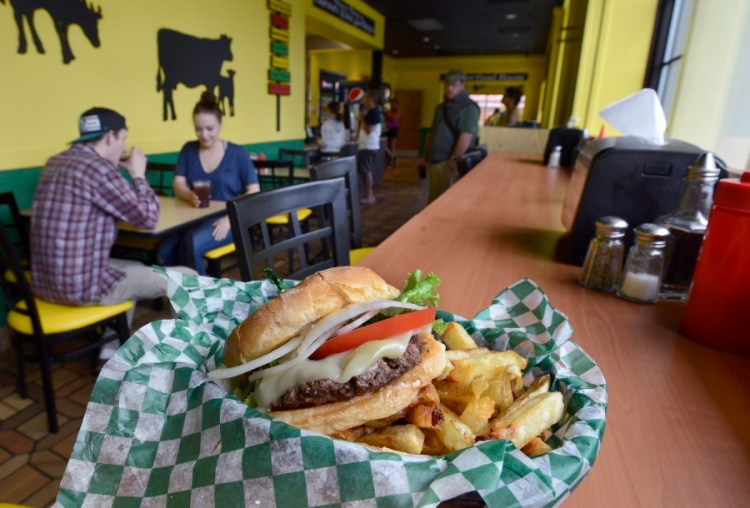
(667, 49)
(489, 103)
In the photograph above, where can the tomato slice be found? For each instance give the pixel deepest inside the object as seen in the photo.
(390, 327)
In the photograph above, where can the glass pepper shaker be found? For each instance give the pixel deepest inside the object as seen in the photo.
(642, 275)
(601, 269)
(687, 225)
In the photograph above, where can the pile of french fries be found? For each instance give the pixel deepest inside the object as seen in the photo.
(479, 396)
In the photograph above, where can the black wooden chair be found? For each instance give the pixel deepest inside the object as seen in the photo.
(160, 175)
(37, 327)
(346, 168)
(321, 245)
(275, 173)
(17, 230)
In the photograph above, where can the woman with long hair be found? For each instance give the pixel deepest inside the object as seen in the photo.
(226, 165)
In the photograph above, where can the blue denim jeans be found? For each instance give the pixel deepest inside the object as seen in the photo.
(202, 240)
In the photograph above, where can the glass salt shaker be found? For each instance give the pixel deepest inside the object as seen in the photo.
(601, 269)
(554, 157)
(642, 275)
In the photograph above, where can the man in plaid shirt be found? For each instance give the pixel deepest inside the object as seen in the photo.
(79, 200)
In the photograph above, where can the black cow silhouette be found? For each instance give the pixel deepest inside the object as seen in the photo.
(226, 92)
(64, 13)
(189, 60)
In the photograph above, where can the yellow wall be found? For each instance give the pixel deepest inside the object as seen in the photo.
(564, 49)
(616, 43)
(424, 74)
(44, 97)
(712, 106)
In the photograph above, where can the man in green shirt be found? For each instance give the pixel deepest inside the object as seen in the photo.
(454, 132)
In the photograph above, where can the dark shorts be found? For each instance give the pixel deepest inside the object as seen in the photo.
(392, 132)
(366, 160)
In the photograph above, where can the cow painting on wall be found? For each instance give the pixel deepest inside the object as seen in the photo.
(64, 13)
(192, 61)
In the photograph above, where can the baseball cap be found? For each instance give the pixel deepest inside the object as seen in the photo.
(454, 75)
(95, 122)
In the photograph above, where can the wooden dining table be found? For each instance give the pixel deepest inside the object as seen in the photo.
(176, 215)
(678, 416)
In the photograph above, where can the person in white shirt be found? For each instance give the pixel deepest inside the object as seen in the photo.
(369, 143)
(332, 131)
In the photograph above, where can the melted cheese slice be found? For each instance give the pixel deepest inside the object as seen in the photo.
(340, 367)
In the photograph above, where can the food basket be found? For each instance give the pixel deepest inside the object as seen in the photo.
(157, 432)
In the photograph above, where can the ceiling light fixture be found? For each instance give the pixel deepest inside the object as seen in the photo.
(511, 16)
(426, 25)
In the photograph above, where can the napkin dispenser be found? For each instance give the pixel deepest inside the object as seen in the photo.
(627, 177)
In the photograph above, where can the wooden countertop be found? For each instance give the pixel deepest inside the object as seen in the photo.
(678, 418)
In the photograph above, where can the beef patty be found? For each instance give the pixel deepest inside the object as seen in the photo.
(326, 391)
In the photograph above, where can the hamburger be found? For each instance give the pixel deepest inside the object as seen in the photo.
(338, 350)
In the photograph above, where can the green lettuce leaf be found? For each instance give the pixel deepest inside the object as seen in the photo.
(417, 290)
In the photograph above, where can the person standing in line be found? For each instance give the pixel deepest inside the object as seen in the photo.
(454, 131)
(511, 99)
(79, 200)
(392, 117)
(332, 131)
(369, 143)
(495, 119)
(226, 165)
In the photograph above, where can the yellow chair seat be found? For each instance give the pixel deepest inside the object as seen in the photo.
(220, 252)
(63, 318)
(357, 255)
(11, 278)
(282, 220)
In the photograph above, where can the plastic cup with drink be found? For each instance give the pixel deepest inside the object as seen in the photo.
(203, 189)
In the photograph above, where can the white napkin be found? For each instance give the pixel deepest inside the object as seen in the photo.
(640, 114)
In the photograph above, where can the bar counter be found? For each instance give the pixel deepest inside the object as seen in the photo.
(678, 418)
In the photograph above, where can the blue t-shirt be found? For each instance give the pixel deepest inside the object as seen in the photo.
(229, 180)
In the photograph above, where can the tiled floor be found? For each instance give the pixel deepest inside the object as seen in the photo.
(32, 461)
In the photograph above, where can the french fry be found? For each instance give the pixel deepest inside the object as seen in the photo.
(432, 443)
(536, 447)
(428, 395)
(483, 363)
(526, 418)
(425, 416)
(477, 414)
(403, 438)
(351, 434)
(501, 389)
(539, 385)
(453, 433)
(454, 395)
(457, 338)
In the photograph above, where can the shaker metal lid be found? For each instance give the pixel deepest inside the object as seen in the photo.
(611, 226)
(704, 167)
(651, 233)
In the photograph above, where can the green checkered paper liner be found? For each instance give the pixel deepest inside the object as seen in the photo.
(157, 432)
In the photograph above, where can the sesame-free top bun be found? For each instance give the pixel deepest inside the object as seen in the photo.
(386, 401)
(294, 310)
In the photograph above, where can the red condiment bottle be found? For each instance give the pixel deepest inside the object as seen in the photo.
(719, 296)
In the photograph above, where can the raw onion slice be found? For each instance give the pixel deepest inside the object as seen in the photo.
(354, 324)
(277, 353)
(323, 329)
